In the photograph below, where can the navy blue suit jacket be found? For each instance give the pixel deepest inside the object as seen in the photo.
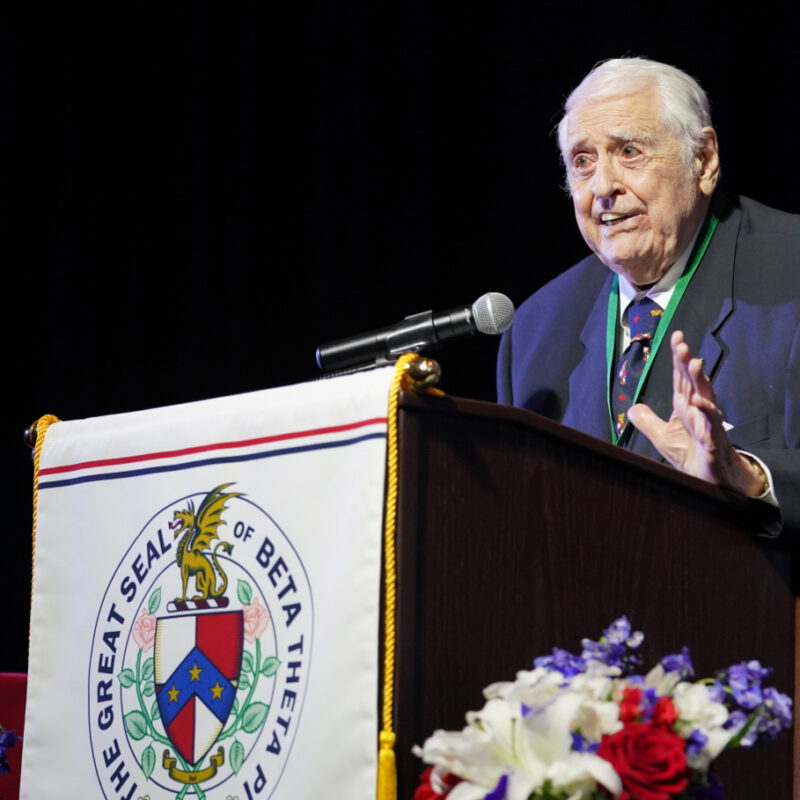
(741, 313)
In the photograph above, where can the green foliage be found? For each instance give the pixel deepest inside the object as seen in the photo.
(148, 761)
(236, 755)
(736, 740)
(254, 716)
(126, 678)
(247, 661)
(270, 667)
(155, 601)
(136, 725)
(244, 592)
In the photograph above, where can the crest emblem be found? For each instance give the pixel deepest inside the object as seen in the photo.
(198, 660)
(219, 628)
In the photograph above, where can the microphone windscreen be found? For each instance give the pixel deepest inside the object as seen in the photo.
(493, 313)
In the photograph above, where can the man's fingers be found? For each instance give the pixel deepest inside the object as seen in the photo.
(648, 422)
(700, 382)
(681, 378)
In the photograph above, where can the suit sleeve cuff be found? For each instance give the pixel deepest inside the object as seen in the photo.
(772, 520)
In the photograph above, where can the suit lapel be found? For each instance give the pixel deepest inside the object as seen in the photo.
(705, 308)
(588, 383)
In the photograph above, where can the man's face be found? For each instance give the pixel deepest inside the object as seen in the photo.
(637, 202)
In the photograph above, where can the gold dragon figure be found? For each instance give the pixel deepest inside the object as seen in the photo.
(199, 531)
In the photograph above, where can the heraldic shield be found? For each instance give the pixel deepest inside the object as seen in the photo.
(198, 660)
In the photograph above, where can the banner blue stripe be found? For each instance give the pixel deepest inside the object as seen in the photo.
(284, 451)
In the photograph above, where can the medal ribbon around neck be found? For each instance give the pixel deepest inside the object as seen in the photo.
(612, 324)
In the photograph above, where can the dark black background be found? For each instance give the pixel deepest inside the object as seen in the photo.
(193, 198)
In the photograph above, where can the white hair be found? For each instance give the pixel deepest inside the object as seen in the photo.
(685, 107)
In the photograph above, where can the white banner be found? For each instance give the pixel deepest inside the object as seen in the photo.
(206, 599)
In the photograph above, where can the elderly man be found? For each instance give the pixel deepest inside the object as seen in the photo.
(676, 268)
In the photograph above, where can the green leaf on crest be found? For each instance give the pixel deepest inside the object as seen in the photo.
(126, 678)
(244, 682)
(254, 716)
(136, 725)
(155, 712)
(149, 690)
(147, 670)
(270, 667)
(236, 756)
(244, 592)
(155, 601)
(148, 761)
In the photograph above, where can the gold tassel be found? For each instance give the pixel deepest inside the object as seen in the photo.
(387, 769)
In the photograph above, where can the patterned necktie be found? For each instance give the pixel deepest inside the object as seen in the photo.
(643, 318)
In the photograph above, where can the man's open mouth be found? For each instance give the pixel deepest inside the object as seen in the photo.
(613, 218)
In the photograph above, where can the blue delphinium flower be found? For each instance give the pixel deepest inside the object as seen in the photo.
(717, 691)
(562, 661)
(618, 631)
(745, 682)
(773, 716)
(779, 705)
(582, 745)
(679, 662)
(696, 742)
(499, 791)
(7, 740)
(763, 712)
(616, 647)
(737, 720)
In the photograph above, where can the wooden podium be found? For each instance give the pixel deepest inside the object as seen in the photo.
(517, 534)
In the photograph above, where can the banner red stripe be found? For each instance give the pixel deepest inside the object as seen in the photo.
(109, 462)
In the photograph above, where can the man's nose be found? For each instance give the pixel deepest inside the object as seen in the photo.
(606, 181)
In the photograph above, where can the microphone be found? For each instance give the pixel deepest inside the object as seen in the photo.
(491, 313)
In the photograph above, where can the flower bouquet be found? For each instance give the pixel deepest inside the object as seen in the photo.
(590, 727)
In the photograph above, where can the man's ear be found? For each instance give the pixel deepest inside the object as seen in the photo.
(707, 162)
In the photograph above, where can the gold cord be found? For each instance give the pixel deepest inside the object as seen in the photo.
(387, 769)
(41, 425)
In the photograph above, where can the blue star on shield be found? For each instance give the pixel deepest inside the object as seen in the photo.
(198, 660)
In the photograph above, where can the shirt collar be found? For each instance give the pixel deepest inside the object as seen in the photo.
(660, 292)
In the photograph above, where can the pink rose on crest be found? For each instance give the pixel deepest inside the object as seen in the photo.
(256, 619)
(144, 631)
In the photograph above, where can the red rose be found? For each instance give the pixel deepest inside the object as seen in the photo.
(629, 706)
(664, 713)
(425, 790)
(649, 759)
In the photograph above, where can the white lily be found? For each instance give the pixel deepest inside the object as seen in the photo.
(696, 710)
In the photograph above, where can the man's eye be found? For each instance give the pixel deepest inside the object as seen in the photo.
(582, 164)
(629, 151)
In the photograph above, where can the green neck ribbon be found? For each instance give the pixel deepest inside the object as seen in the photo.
(612, 324)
